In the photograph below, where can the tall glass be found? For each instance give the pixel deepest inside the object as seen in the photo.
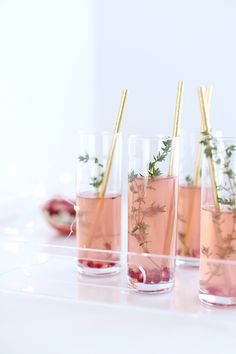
(189, 201)
(98, 226)
(152, 212)
(218, 222)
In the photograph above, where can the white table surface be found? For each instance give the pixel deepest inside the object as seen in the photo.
(46, 308)
(34, 324)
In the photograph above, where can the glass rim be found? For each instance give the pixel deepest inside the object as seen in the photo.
(184, 131)
(185, 134)
(152, 137)
(91, 133)
(223, 137)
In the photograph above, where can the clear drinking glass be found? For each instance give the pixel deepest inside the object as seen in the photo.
(98, 226)
(152, 212)
(218, 222)
(189, 200)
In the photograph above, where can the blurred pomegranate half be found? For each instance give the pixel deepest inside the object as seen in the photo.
(60, 214)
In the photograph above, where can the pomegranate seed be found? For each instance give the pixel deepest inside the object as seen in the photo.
(131, 273)
(90, 264)
(165, 274)
(98, 265)
(135, 274)
(140, 276)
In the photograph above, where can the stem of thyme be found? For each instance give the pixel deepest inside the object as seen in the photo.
(96, 181)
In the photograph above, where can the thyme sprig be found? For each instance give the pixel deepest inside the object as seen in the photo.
(154, 171)
(224, 162)
(84, 158)
(96, 181)
(189, 180)
(224, 242)
(140, 212)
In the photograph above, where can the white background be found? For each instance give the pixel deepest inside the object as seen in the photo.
(63, 65)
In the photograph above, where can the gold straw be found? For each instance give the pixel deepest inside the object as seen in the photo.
(208, 97)
(196, 177)
(197, 169)
(178, 108)
(108, 168)
(176, 128)
(113, 144)
(207, 129)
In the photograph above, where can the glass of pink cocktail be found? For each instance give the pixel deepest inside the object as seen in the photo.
(98, 226)
(152, 212)
(189, 201)
(218, 222)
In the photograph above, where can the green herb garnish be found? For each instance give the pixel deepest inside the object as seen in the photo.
(154, 171)
(140, 212)
(96, 181)
(224, 242)
(189, 180)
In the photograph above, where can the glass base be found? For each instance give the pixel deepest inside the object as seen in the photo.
(158, 288)
(188, 261)
(94, 272)
(217, 300)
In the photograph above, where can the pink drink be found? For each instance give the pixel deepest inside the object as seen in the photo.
(99, 228)
(152, 229)
(188, 224)
(218, 240)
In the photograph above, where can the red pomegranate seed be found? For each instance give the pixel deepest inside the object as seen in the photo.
(90, 264)
(140, 276)
(98, 265)
(131, 273)
(135, 274)
(165, 274)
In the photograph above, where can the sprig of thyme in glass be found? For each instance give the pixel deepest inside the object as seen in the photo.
(231, 201)
(96, 181)
(211, 151)
(154, 171)
(189, 180)
(140, 212)
(224, 242)
(84, 158)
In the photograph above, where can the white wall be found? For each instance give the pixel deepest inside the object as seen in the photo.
(46, 90)
(150, 45)
(63, 65)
